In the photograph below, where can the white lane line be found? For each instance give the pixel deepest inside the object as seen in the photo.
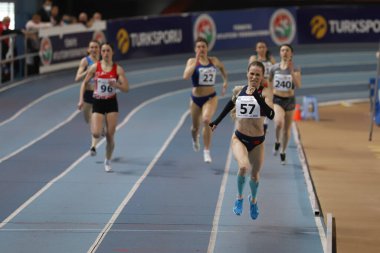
(147, 83)
(47, 95)
(7, 87)
(312, 194)
(93, 230)
(218, 209)
(118, 211)
(35, 102)
(68, 119)
(139, 85)
(80, 159)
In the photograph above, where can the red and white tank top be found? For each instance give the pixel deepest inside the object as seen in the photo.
(102, 89)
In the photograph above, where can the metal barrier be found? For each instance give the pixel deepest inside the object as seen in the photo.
(8, 60)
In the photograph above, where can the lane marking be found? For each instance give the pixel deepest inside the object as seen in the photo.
(298, 58)
(7, 87)
(218, 209)
(22, 110)
(81, 158)
(151, 82)
(137, 184)
(51, 130)
(92, 230)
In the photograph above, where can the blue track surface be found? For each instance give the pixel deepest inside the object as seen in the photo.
(161, 196)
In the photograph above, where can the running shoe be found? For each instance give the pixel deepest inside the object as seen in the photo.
(93, 151)
(283, 158)
(276, 148)
(254, 209)
(238, 207)
(196, 145)
(207, 156)
(107, 165)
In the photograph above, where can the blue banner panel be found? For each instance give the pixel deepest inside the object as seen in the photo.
(63, 47)
(141, 37)
(243, 28)
(68, 47)
(338, 24)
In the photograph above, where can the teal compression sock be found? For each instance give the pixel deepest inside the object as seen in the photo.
(254, 186)
(240, 184)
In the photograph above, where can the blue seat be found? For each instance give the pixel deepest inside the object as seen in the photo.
(310, 108)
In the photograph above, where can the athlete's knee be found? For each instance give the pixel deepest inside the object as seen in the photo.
(96, 135)
(194, 129)
(279, 123)
(243, 170)
(255, 177)
(206, 121)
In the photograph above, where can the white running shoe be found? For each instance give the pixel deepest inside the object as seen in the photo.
(207, 156)
(196, 145)
(107, 165)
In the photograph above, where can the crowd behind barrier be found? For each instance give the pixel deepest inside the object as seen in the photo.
(62, 42)
(22, 61)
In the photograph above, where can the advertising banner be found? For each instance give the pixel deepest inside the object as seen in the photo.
(63, 47)
(243, 28)
(338, 24)
(149, 36)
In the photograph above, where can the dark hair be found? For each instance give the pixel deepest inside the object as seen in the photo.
(94, 41)
(108, 44)
(287, 45)
(268, 54)
(201, 39)
(258, 64)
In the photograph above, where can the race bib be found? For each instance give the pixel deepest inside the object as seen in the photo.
(103, 88)
(282, 82)
(247, 107)
(207, 76)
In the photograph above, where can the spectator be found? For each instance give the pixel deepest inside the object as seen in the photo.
(6, 45)
(68, 20)
(45, 10)
(36, 23)
(97, 16)
(83, 19)
(55, 17)
(33, 44)
(4, 24)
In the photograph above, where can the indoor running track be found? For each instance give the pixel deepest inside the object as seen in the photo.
(161, 196)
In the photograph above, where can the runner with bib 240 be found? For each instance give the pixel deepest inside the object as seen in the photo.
(284, 77)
